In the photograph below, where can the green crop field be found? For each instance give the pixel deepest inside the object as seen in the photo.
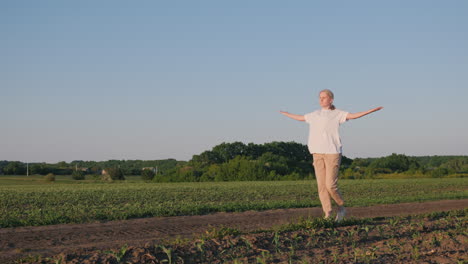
(32, 201)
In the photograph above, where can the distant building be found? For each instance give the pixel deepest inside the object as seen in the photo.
(153, 169)
(104, 172)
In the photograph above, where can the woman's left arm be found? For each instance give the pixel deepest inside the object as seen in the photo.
(361, 114)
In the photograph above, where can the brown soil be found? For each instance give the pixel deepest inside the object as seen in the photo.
(51, 240)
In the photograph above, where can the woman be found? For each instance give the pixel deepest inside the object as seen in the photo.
(325, 146)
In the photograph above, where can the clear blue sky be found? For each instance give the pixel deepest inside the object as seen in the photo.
(99, 80)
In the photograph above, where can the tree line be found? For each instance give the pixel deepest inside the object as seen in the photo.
(247, 162)
(128, 167)
(292, 161)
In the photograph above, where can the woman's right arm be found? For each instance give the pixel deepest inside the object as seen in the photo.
(293, 116)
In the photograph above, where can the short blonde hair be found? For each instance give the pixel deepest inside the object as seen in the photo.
(331, 95)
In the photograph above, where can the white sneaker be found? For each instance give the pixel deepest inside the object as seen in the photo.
(341, 214)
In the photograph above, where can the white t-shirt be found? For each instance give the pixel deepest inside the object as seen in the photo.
(324, 136)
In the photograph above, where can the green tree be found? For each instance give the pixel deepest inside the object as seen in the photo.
(439, 172)
(62, 164)
(241, 169)
(395, 163)
(147, 175)
(39, 168)
(228, 151)
(456, 165)
(3, 164)
(207, 158)
(116, 174)
(272, 162)
(15, 168)
(210, 173)
(78, 175)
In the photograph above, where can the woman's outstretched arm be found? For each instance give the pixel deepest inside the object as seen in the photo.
(361, 114)
(293, 116)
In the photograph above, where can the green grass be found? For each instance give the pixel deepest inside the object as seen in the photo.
(36, 202)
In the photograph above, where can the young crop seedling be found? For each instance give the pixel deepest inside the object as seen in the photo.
(416, 235)
(276, 242)
(365, 230)
(168, 252)
(265, 258)
(121, 253)
(415, 252)
(335, 257)
(57, 260)
(356, 254)
(247, 242)
(381, 231)
(291, 254)
(435, 242)
(199, 244)
(371, 254)
(394, 221)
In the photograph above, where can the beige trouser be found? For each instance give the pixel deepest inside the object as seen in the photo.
(326, 171)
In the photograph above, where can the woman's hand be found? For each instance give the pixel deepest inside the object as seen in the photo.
(377, 109)
(361, 114)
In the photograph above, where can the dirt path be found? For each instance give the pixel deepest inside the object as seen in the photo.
(50, 240)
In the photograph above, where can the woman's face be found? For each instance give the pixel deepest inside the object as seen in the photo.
(325, 100)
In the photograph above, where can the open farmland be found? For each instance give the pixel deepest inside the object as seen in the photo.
(438, 237)
(55, 203)
(71, 221)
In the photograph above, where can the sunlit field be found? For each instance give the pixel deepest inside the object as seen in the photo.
(32, 201)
